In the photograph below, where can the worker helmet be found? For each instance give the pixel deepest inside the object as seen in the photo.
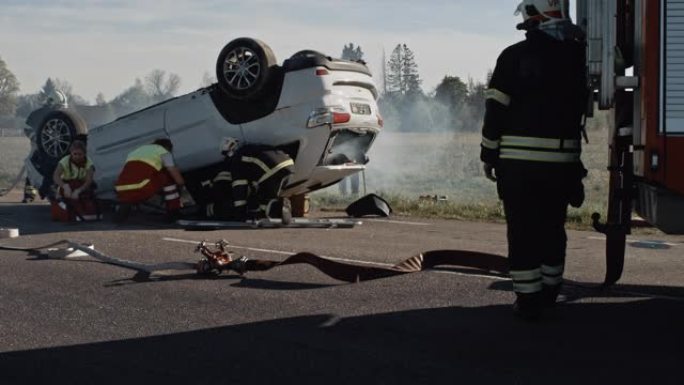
(229, 145)
(544, 11)
(56, 99)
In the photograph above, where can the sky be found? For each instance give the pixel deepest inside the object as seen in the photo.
(103, 46)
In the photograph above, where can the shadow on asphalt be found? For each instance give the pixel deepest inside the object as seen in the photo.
(33, 219)
(241, 282)
(619, 343)
(574, 290)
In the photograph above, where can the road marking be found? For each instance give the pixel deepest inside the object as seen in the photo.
(330, 322)
(380, 264)
(632, 240)
(398, 222)
(280, 252)
(640, 295)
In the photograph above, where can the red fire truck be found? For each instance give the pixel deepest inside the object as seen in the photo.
(635, 59)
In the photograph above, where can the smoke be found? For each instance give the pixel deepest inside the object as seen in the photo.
(429, 148)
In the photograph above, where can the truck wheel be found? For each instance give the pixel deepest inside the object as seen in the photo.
(57, 131)
(244, 67)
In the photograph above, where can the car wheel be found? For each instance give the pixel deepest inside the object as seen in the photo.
(243, 67)
(58, 130)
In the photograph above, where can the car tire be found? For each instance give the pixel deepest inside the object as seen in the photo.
(244, 67)
(57, 131)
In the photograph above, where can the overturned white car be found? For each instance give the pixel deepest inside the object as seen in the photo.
(321, 111)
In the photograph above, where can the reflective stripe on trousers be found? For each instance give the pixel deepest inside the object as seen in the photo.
(552, 275)
(527, 281)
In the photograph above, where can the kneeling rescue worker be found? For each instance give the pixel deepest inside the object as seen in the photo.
(73, 176)
(531, 146)
(249, 185)
(149, 170)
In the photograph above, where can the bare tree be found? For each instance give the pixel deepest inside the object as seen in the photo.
(100, 99)
(9, 85)
(207, 79)
(133, 98)
(160, 86)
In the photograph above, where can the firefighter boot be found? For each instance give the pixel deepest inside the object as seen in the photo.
(550, 295)
(30, 194)
(286, 214)
(528, 306)
(121, 213)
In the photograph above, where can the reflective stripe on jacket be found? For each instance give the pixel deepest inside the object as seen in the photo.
(150, 155)
(540, 149)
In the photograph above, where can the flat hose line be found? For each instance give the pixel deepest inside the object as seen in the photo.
(341, 271)
(346, 272)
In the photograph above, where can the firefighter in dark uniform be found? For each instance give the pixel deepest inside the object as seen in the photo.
(249, 185)
(531, 145)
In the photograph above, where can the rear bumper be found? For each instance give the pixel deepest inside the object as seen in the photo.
(321, 177)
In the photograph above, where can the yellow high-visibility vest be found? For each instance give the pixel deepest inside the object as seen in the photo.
(70, 171)
(150, 154)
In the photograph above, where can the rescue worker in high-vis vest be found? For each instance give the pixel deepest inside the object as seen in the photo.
(73, 177)
(149, 170)
(531, 146)
(250, 184)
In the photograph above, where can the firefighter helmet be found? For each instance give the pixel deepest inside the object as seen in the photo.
(544, 11)
(56, 99)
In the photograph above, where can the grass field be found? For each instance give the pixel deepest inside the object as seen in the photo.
(405, 166)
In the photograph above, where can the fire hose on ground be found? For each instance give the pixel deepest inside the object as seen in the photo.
(217, 259)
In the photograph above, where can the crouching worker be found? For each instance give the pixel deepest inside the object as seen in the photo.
(250, 184)
(73, 177)
(149, 170)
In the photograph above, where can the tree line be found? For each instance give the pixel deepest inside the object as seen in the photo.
(454, 105)
(158, 85)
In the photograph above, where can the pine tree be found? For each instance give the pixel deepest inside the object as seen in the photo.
(410, 73)
(395, 80)
(402, 72)
(349, 52)
(47, 89)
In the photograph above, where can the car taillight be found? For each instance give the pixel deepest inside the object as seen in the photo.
(322, 71)
(328, 115)
(381, 122)
(341, 117)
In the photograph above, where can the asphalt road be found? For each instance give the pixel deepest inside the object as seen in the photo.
(84, 322)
